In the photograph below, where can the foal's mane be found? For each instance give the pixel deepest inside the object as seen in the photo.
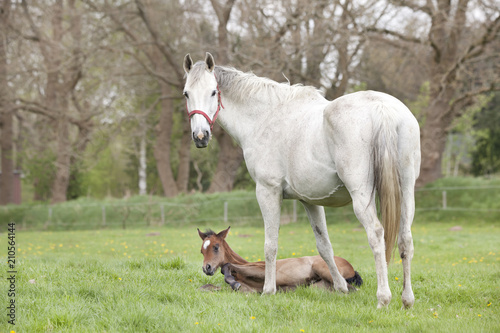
(244, 86)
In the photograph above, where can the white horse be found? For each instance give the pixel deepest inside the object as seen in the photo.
(298, 145)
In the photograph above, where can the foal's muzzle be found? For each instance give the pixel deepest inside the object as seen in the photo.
(201, 139)
(209, 270)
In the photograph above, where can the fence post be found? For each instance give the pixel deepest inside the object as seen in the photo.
(294, 216)
(225, 211)
(103, 216)
(445, 204)
(162, 211)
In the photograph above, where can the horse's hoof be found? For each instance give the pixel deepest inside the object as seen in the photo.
(236, 286)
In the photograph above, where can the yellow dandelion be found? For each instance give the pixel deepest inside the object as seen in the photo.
(60, 245)
(293, 253)
(371, 321)
(196, 323)
(302, 330)
(459, 285)
(435, 314)
(120, 278)
(397, 278)
(479, 315)
(252, 317)
(489, 303)
(190, 280)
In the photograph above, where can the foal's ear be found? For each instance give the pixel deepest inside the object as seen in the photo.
(188, 63)
(202, 235)
(223, 233)
(209, 60)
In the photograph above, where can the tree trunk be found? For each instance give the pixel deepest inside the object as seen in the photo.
(142, 166)
(61, 180)
(433, 143)
(230, 155)
(7, 163)
(163, 140)
(230, 158)
(184, 159)
(6, 177)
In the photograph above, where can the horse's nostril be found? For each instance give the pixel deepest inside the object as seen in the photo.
(207, 134)
(208, 267)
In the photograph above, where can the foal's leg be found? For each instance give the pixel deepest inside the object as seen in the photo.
(269, 199)
(317, 219)
(229, 279)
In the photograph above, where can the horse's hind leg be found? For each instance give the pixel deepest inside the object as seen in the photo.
(405, 245)
(317, 219)
(409, 173)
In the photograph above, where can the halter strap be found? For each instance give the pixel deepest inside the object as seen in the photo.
(211, 122)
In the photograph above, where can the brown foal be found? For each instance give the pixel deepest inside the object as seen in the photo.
(247, 276)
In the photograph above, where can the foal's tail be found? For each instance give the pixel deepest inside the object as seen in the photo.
(356, 280)
(387, 178)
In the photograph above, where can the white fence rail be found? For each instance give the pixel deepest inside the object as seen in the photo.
(228, 210)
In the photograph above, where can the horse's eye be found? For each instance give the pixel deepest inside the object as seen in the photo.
(186, 94)
(213, 93)
(216, 248)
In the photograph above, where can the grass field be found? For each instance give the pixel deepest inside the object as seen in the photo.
(126, 281)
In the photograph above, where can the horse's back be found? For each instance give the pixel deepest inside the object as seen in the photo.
(360, 110)
(353, 121)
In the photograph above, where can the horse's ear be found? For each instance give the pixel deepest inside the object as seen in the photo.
(188, 63)
(202, 235)
(209, 60)
(223, 233)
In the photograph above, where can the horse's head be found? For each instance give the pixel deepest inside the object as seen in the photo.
(213, 250)
(202, 98)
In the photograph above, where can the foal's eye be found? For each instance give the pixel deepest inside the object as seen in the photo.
(186, 94)
(213, 93)
(216, 248)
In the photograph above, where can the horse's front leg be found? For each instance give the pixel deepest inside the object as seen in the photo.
(230, 280)
(270, 199)
(317, 218)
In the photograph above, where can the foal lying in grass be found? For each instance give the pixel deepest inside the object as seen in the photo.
(247, 276)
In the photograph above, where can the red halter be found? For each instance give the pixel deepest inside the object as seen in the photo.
(211, 122)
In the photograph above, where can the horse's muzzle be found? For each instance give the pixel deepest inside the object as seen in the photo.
(201, 139)
(208, 269)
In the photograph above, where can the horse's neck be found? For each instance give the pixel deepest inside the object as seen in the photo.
(233, 257)
(245, 116)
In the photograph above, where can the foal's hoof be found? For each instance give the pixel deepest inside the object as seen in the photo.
(236, 286)
(351, 288)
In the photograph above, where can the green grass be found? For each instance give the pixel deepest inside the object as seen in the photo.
(125, 281)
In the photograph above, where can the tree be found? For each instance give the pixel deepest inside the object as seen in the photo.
(486, 155)
(6, 113)
(457, 44)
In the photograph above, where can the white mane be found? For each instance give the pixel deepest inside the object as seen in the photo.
(245, 86)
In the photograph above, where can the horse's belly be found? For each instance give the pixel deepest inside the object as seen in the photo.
(318, 186)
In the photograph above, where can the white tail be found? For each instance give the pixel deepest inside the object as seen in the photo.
(387, 181)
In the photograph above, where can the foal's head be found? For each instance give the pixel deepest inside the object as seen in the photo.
(213, 250)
